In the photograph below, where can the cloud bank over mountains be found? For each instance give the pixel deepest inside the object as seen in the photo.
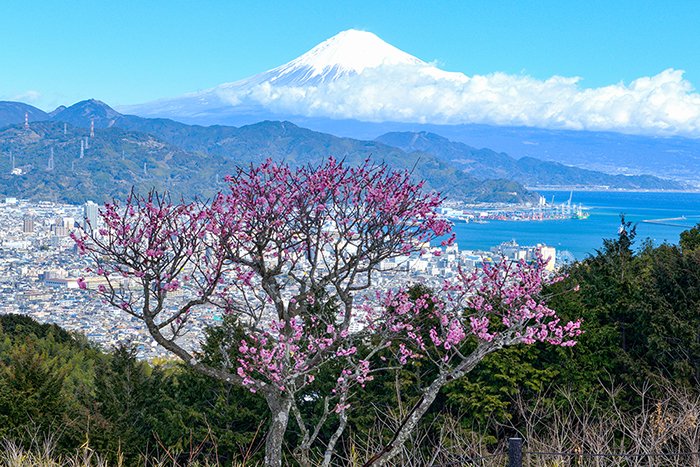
(356, 75)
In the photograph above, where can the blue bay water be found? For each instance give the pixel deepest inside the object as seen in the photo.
(582, 237)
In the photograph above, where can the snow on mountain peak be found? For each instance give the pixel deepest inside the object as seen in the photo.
(348, 52)
(356, 75)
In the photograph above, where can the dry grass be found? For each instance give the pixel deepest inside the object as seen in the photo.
(43, 454)
(661, 424)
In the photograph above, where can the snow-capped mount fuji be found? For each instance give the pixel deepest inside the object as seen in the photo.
(356, 76)
(347, 53)
(327, 81)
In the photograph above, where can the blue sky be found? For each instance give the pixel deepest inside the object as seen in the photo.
(126, 52)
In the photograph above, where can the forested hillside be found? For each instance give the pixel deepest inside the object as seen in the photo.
(60, 159)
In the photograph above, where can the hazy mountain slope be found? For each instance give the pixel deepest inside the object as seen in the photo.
(676, 157)
(485, 163)
(670, 157)
(14, 112)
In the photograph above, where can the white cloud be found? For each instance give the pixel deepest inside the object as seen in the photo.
(30, 96)
(663, 104)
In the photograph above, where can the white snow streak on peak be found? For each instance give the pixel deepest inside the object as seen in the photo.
(348, 52)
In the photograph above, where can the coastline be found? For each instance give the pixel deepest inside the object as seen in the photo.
(595, 189)
(582, 237)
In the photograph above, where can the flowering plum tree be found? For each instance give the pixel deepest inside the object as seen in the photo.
(287, 253)
(473, 315)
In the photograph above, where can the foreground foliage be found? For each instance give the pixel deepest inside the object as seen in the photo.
(634, 372)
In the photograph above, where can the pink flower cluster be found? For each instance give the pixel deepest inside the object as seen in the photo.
(274, 211)
(152, 239)
(291, 352)
(501, 302)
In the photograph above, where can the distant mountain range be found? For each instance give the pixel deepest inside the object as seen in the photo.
(674, 158)
(486, 163)
(43, 160)
(190, 160)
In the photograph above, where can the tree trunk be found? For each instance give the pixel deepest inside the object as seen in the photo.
(279, 418)
(330, 449)
(409, 424)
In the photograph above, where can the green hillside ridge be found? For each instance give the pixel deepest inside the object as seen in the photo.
(581, 155)
(190, 160)
(112, 164)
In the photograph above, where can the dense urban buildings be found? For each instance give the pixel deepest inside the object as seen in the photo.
(40, 267)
